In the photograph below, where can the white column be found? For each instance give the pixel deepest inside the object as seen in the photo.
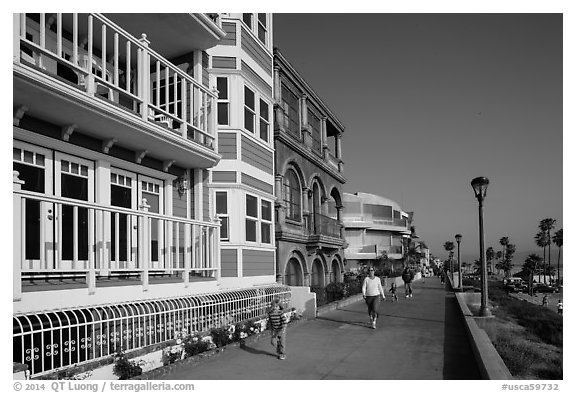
(18, 229)
(16, 38)
(144, 246)
(144, 76)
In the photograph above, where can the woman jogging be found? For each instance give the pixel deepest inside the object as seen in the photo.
(371, 291)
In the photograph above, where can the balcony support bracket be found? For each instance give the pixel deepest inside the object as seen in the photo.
(107, 144)
(19, 114)
(67, 131)
(140, 155)
(167, 164)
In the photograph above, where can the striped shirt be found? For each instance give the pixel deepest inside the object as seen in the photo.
(277, 320)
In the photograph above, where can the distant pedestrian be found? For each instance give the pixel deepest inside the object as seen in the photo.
(407, 277)
(442, 277)
(560, 306)
(278, 322)
(392, 290)
(371, 291)
(545, 301)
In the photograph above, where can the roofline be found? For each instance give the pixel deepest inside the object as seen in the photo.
(296, 75)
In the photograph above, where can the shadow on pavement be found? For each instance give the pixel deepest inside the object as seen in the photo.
(361, 324)
(255, 351)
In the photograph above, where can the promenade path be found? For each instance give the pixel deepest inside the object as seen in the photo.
(419, 338)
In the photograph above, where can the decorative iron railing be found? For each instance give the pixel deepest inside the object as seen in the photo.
(53, 340)
(323, 225)
(94, 54)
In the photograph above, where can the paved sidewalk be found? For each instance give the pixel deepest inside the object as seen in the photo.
(419, 338)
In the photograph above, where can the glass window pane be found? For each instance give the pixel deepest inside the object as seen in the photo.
(156, 188)
(262, 19)
(28, 157)
(250, 230)
(263, 130)
(262, 34)
(222, 86)
(223, 113)
(128, 182)
(263, 110)
(248, 120)
(221, 203)
(249, 98)
(224, 228)
(113, 178)
(75, 168)
(266, 233)
(16, 154)
(152, 200)
(251, 206)
(83, 170)
(266, 211)
(120, 179)
(247, 18)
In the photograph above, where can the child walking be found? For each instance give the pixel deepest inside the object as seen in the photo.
(392, 290)
(278, 324)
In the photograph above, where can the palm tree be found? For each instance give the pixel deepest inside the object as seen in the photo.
(547, 225)
(557, 239)
(530, 265)
(540, 240)
(490, 257)
(507, 265)
(503, 242)
(449, 246)
(498, 257)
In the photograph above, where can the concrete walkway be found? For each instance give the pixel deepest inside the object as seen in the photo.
(420, 338)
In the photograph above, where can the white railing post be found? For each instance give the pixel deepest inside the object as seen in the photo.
(213, 120)
(144, 243)
(91, 275)
(187, 253)
(144, 76)
(216, 246)
(18, 253)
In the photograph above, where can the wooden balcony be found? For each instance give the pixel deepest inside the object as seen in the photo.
(84, 71)
(66, 243)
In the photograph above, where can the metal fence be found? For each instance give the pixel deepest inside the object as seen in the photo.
(53, 340)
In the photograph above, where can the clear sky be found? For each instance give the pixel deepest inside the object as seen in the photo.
(431, 101)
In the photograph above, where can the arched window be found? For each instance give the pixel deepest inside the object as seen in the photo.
(293, 275)
(292, 195)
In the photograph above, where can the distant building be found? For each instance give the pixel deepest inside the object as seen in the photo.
(374, 226)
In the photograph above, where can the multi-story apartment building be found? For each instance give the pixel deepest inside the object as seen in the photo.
(308, 173)
(374, 225)
(115, 131)
(243, 181)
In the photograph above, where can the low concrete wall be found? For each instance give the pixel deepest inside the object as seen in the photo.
(303, 301)
(489, 362)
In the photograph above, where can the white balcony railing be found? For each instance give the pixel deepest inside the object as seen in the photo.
(90, 51)
(87, 241)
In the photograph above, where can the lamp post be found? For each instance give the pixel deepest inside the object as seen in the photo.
(480, 185)
(458, 238)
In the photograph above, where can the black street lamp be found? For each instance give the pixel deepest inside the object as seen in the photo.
(480, 185)
(458, 238)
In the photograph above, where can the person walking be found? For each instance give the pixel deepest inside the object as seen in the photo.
(278, 322)
(560, 306)
(371, 291)
(545, 301)
(392, 290)
(407, 277)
